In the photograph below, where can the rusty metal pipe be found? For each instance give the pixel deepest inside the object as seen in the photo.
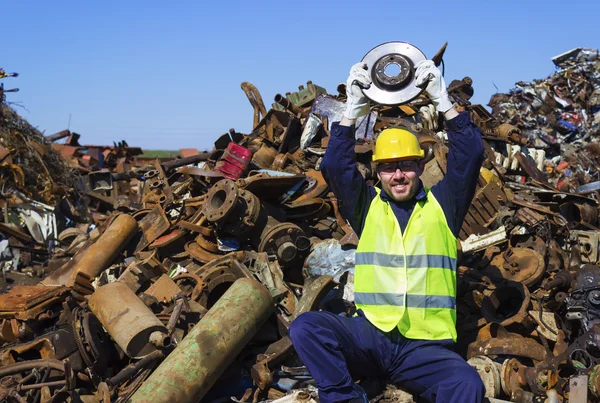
(189, 372)
(132, 369)
(41, 385)
(31, 364)
(99, 256)
(287, 104)
(130, 323)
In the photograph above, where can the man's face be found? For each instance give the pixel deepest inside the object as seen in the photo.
(400, 179)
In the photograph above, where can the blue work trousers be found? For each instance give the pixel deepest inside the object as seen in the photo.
(336, 348)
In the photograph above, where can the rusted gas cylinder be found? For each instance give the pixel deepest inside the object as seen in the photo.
(189, 372)
(99, 256)
(130, 323)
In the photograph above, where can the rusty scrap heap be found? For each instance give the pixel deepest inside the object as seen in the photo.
(182, 281)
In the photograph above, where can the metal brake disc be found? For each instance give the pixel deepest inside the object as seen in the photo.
(389, 89)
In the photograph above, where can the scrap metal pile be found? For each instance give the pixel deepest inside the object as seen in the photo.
(182, 281)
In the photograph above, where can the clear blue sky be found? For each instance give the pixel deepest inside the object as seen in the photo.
(167, 75)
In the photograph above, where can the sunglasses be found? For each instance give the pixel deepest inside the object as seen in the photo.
(391, 167)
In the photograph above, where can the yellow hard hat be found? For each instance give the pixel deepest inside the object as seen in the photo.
(397, 143)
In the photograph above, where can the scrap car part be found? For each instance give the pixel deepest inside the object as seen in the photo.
(583, 303)
(130, 323)
(239, 212)
(189, 372)
(391, 88)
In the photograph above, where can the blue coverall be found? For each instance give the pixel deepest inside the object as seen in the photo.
(336, 348)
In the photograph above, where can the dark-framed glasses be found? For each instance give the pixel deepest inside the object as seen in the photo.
(391, 167)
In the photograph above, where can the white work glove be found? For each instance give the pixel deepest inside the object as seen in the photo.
(357, 104)
(429, 76)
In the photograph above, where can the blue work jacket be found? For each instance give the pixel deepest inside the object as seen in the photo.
(454, 193)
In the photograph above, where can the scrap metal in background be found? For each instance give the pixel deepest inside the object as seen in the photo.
(177, 279)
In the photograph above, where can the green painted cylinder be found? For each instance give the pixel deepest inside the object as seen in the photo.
(189, 372)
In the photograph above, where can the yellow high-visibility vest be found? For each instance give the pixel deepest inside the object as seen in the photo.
(408, 279)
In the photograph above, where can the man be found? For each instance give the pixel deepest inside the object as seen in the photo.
(405, 273)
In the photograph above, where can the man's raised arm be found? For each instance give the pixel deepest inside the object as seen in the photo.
(339, 163)
(465, 152)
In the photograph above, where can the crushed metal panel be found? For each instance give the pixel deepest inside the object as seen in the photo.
(153, 225)
(164, 289)
(26, 302)
(476, 243)
(484, 208)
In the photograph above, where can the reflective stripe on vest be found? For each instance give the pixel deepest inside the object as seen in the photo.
(408, 279)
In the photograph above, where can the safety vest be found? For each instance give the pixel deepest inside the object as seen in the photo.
(408, 279)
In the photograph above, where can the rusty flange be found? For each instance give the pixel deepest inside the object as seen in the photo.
(522, 265)
(489, 372)
(191, 284)
(507, 304)
(285, 240)
(216, 281)
(246, 216)
(221, 200)
(198, 253)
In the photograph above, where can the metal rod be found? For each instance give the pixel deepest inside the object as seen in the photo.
(39, 392)
(132, 369)
(41, 385)
(28, 365)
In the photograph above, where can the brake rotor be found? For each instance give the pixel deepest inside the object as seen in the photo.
(389, 88)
